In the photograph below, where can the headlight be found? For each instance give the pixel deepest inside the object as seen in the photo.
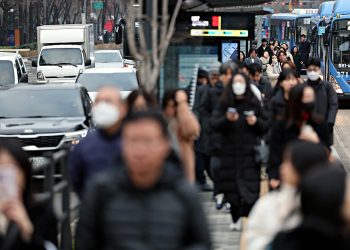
(75, 137)
(336, 86)
(40, 76)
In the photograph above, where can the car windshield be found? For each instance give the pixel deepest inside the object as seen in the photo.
(107, 58)
(341, 50)
(21, 103)
(123, 81)
(7, 75)
(61, 56)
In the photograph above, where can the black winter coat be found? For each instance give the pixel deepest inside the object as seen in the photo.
(266, 90)
(326, 100)
(297, 62)
(277, 107)
(307, 237)
(239, 171)
(207, 107)
(282, 134)
(261, 51)
(116, 215)
(45, 229)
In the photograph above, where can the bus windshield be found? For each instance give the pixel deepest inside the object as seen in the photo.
(304, 27)
(341, 49)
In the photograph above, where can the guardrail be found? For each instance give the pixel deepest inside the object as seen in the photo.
(57, 160)
(14, 50)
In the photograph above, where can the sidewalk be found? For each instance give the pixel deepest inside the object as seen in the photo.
(219, 221)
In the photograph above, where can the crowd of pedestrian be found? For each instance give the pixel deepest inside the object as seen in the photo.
(138, 172)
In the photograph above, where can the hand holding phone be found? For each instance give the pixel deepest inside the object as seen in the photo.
(232, 114)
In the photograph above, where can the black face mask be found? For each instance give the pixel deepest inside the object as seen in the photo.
(309, 107)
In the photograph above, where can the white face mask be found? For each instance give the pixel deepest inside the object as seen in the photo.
(238, 88)
(313, 75)
(105, 115)
(274, 61)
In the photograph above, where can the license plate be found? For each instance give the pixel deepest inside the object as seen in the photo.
(38, 161)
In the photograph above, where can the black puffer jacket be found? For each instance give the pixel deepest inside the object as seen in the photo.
(116, 215)
(239, 172)
(326, 100)
(208, 104)
(277, 107)
(282, 134)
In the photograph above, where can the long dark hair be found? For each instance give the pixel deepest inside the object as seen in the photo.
(14, 149)
(295, 112)
(242, 53)
(285, 74)
(149, 98)
(292, 51)
(228, 98)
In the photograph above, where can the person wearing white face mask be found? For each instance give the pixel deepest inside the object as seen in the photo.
(100, 150)
(326, 104)
(239, 120)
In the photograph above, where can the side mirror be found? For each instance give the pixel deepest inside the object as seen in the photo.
(24, 78)
(88, 62)
(34, 63)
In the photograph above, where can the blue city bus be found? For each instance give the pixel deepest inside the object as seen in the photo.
(319, 23)
(337, 42)
(282, 28)
(288, 27)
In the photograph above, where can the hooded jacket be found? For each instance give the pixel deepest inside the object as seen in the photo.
(117, 215)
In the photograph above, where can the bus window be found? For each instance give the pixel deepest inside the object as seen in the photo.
(341, 50)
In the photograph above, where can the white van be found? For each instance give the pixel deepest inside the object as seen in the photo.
(12, 69)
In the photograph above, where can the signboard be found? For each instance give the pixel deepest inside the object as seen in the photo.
(321, 30)
(220, 25)
(97, 5)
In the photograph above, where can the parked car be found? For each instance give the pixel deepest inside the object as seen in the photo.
(125, 79)
(108, 59)
(45, 117)
(12, 69)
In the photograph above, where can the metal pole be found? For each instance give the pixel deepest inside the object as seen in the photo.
(83, 17)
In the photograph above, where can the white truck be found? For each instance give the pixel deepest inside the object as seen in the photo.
(64, 52)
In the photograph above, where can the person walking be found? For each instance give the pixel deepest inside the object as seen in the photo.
(280, 210)
(24, 223)
(184, 127)
(286, 82)
(301, 122)
(273, 70)
(285, 46)
(262, 83)
(100, 149)
(325, 202)
(265, 61)
(239, 120)
(304, 48)
(253, 58)
(213, 139)
(147, 205)
(326, 103)
(263, 48)
(297, 59)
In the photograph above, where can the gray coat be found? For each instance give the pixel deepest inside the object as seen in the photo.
(248, 61)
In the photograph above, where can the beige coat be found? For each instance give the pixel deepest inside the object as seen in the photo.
(187, 129)
(273, 72)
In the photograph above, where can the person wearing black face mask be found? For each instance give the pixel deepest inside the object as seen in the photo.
(301, 122)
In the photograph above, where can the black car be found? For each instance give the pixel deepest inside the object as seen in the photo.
(44, 118)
